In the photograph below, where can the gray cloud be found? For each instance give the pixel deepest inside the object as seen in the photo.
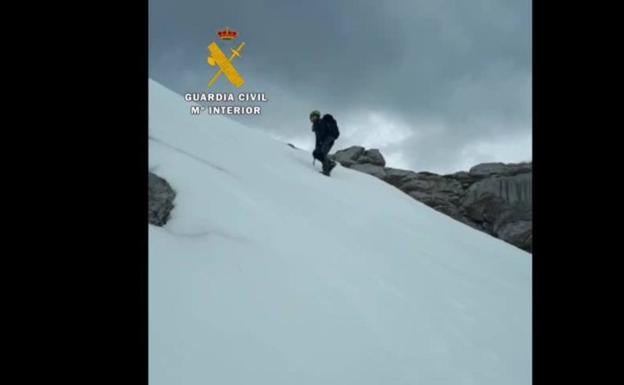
(434, 83)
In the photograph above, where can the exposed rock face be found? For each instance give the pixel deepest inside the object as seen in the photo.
(492, 197)
(488, 169)
(372, 169)
(513, 189)
(160, 200)
(358, 155)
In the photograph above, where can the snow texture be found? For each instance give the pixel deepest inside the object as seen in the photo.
(270, 273)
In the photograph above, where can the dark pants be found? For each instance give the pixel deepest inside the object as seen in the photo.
(322, 150)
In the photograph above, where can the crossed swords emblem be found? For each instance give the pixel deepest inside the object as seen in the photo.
(218, 58)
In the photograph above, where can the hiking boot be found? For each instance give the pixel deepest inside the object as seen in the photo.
(328, 166)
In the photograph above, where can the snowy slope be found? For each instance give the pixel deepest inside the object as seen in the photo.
(270, 273)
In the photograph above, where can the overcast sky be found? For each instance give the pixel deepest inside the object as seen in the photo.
(436, 85)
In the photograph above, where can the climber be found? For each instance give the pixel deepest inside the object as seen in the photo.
(326, 130)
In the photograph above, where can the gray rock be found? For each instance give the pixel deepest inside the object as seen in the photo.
(464, 178)
(485, 209)
(492, 197)
(348, 156)
(488, 169)
(373, 157)
(519, 233)
(371, 169)
(512, 189)
(438, 202)
(432, 187)
(501, 215)
(449, 209)
(359, 155)
(398, 177)
(160, 200)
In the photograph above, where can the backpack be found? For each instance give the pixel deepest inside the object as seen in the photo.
(331, 127)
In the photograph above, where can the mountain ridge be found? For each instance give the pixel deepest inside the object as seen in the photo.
(495, 198)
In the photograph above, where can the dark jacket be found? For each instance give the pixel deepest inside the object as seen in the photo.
(325, 127)
(319, 129)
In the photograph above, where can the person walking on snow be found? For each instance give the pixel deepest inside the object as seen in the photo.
(326, 131)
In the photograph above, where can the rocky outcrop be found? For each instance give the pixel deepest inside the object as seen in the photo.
(372, 169)
(492, 197)
(359, 155)
(160, 200)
